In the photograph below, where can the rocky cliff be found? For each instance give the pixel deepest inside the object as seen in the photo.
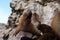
(46, 10)
(2, 28)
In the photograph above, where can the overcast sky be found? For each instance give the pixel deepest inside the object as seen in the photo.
(5, 10)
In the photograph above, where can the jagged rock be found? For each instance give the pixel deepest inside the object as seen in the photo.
(2, 28)
(18, 6)
(46, 10)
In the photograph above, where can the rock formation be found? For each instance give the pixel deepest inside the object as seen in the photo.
(45, 9)
(18, 6)
(2, 28)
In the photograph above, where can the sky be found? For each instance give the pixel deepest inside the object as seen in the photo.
(5, 10)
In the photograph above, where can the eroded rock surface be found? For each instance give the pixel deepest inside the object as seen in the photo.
(46, 12)
(2, 28)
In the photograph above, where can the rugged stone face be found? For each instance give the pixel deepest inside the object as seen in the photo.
(18, 6)
(46, 10)
(2, 28)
